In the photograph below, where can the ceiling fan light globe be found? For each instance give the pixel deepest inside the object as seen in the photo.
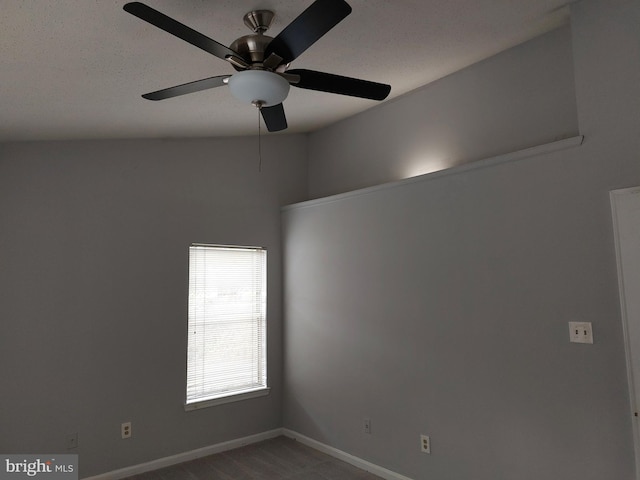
(259, 87)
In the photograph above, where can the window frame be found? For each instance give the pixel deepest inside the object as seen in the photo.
(239, 394)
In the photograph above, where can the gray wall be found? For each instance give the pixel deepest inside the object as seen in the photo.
(466, 341)
(522, 97)
(440, 306)
(93, 288)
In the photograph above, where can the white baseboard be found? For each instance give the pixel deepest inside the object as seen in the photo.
(345, 457)
(186, 456)
(240, 442)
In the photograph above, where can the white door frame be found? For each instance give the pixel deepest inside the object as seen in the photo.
(629, 305)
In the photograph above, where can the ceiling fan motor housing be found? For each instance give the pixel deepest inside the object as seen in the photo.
(251, 48)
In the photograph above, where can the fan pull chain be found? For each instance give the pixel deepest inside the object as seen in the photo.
(259, 143)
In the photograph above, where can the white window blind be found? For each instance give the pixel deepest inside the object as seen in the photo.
(226, 351)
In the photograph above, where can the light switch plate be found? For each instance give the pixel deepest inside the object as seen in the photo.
(580, 332)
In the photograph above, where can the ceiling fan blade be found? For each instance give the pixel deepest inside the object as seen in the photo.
(328, 82)
(185, 88)
(307, 28)
(176, 28)
(274, 117)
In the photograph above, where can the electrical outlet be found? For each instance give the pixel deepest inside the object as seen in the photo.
(72, 441)
(425, 444)
(580, 332)
(125, 430)
(367, 426)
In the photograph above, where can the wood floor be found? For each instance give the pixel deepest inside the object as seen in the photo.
(280, 458)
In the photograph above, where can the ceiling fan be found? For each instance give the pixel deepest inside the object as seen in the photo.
(262, 62)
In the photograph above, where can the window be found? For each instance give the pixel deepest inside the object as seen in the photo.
(226, 347)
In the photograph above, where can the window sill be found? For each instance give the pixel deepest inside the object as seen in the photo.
(227, 399)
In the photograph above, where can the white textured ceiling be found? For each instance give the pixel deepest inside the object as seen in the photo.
(74, 69)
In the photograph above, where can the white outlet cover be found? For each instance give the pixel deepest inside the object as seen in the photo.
(125, 430)
(425, 444)
(367, 426)
(580, 332)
